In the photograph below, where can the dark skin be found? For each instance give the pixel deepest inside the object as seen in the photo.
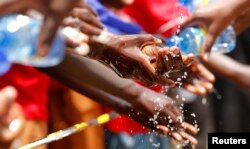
(111, 91)
(192, 76)
(141, 58)
(117, 3)
(229, 69)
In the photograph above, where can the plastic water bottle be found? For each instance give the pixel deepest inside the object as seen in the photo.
(192, 5)
(191, 39)
(4, 64)
(18, 42)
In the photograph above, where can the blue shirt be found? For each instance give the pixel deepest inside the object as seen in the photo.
(112, 22)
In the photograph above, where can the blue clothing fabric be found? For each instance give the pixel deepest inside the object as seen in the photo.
(136, 141)
(112, 22)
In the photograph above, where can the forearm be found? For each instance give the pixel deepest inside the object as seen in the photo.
(229, 69)
(78, 71)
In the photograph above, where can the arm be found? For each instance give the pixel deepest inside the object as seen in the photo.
(84, 73)
(98, 82)
(229, 69)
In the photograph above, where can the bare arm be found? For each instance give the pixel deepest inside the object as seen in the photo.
(96, 81)
(229, 69)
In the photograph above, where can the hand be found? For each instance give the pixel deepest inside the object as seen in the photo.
(185, 70)
(242, 22)
(53, 10)
(180, 133)
(215, 18)
(197, 79)
(124, 54)
(82, 23)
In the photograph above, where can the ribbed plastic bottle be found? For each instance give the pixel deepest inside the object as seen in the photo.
(18, 42)
(191, 39)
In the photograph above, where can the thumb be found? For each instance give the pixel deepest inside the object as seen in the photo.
(47, 33)
(209, 41)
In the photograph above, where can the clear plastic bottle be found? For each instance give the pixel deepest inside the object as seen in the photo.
(191, 39)
(18, 42)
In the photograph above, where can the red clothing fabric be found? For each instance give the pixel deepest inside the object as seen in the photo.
(152, 14)
(32, 87)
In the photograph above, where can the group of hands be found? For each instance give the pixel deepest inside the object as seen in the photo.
(141, 57)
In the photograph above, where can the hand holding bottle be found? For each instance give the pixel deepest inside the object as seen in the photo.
(53, 10)
(215, 17)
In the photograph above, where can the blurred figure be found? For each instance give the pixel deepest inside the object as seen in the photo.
(12, 120)
(67, 108)
(32, 87)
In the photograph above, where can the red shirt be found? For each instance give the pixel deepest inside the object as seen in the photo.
(154, 14)
(32, 87)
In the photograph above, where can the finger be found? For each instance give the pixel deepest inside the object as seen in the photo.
(210, 38)
(81, 4)
(188, 21)
(142, 40)
(177, 136)
(173, 117)
(196, 89)
(177, 58)
(89, 30)
(86, 16)
(204, 72)
(207, 85)
(188, 59)
(190, 128)
(47, 34)
(163, 129)
(74, 37)
(164, 64)
(150, 50)
(189, 137)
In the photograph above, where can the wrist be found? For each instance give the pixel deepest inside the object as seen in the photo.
(132, 92)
